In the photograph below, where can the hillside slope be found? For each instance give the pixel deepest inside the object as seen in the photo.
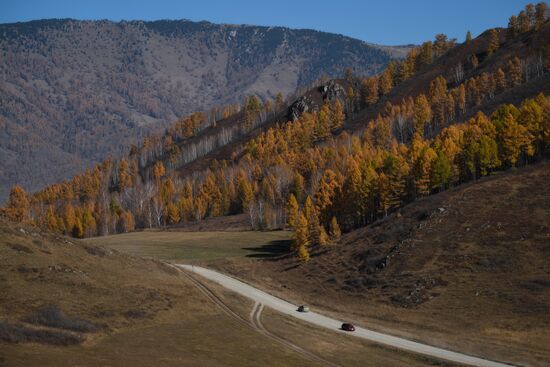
(524, 47)
(468, 268)
(74, 92)
(70, 303)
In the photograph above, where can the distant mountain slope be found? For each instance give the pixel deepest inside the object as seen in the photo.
(73, 92)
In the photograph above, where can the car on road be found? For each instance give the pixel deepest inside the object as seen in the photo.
(348, 327)
(303, 308)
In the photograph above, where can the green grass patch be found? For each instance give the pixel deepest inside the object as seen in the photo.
(197, 246)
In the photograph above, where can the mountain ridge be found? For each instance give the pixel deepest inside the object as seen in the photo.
(85, 90)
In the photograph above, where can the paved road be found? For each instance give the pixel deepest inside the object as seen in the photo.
(329, 323)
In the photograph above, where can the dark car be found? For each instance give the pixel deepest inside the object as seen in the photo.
(303, 308)
(348, 327)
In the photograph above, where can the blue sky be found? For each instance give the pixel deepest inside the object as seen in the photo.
(383, 22)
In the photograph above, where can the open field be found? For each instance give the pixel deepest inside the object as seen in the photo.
(196, 246)
(141, 312)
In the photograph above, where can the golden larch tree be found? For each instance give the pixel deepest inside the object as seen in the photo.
(17, 208)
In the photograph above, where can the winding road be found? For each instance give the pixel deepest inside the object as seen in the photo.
(262, 299)
(256, 323)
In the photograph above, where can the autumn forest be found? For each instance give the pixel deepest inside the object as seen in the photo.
(366, 150)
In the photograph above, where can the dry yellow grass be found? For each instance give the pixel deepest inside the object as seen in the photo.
(473, 276)
(148, 313)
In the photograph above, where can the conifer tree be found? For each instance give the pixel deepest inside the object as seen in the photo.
(172, 214)
(461, 98)
(369, 90)
(303, 254)
(325, 194)
(408, 66)
(441, 44)
(17, 208)
(494, 42)
(514, 71)
(292, 211)
(124, 179)
(422, 113)
(337, 115)
(523, 22)
(395, 168)
(51, 220)
(488, 155)
(512, 30)
(386, 79)
(69, 217)
(425, 57)
(441, 174)
(312, 217)
(422, 156)
(78, 229)
(531, 115)
(544, 103)
(323, 236)
(301, 236)
(334, 230)
(127, 222)
(322, 124)
(384, 195)
(474, 61)
(158, 171)
(540, 14)
(297, 186)
(500, 79)
(468, 37)
(516, 139)
(246, 192)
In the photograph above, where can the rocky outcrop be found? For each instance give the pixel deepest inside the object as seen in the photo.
(331, 91)
(301, 105)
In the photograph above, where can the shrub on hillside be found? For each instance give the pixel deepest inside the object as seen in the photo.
(19, 333)
(52, 316)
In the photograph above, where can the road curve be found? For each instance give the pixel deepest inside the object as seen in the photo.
(288, 308)
(255, 322)
(255, 319)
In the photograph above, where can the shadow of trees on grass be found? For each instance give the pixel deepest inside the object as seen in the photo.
(272, 250)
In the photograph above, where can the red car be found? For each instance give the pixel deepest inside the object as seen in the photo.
(348, 327)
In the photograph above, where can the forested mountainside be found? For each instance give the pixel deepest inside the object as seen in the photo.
(330, 167)
(75, 92)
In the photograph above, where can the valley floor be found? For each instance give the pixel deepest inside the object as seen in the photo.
(144, 313)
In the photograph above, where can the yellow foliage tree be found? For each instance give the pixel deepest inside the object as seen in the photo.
(172, 214)
(494, 42)
(323, 236)
(301, 232)
(291, 211)
(17, 208)
(334, 231)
